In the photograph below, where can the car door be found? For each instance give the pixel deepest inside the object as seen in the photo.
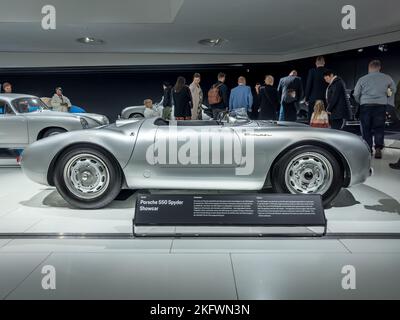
(196, 155)
(13, 127)
(204, 146)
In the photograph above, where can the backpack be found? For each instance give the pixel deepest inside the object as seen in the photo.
(214, 96)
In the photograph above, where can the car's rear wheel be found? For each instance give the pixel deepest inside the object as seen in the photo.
(136, 116)
(308, 170)
(52, 132)
(87, 178)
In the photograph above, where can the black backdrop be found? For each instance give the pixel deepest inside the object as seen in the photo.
(107, 90)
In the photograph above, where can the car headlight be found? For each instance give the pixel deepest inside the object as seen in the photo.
(84, 123)
(105, 120)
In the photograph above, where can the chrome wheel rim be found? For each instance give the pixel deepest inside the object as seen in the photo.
(86, 176)
(309, 173)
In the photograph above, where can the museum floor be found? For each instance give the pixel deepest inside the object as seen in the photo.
(110, 264)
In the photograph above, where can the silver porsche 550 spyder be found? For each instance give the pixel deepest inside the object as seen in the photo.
(25, 119)
(90, 167)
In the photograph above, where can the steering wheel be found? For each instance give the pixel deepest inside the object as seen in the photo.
(223, 117)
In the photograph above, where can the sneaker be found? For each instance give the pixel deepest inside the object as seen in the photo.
(378, 154)
(395, 166)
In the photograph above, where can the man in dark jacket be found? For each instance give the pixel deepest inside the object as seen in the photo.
(268, 100)
(291, 92)
(167, 101)
(224, 94)
(316, 85)
(338, 104)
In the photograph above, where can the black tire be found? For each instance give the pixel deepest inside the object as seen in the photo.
(278, 176)
(52, 132)
(109, 193)
(136, 116)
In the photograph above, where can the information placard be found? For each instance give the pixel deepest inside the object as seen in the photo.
(239, 210)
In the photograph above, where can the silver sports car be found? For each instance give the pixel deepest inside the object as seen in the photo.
(137, 112)
(25, 119)
(89, 168)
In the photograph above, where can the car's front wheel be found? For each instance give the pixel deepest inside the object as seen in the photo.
(87, 178)
(52, 132)
(308, 170)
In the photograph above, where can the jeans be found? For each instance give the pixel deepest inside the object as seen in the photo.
(372, 118)
(288, 112)
(282, 113)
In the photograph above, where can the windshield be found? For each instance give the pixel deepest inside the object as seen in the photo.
(26, 105)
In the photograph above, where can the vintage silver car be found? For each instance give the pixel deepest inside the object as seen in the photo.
(90, 168)
(25, 119)
(137, 112)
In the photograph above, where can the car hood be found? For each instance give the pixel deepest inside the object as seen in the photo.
(102, 120)
(277, 124)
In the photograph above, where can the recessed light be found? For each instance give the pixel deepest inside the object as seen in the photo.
(212, 42)
(90, 40)
(383, 48)
(360, 50)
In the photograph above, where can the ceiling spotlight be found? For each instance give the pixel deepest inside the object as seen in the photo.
(212, 42)
(90, 40)
(360, 50)
(383, 48)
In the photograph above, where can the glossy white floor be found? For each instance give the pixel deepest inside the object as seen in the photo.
(196, 268)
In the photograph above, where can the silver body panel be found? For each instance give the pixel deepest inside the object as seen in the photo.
(130, 142)
(18, 130)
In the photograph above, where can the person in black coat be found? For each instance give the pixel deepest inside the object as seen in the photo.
(167, 101)
(316, 85)
(182, 100)
(338, 104)
(268, 98)
(291, 91)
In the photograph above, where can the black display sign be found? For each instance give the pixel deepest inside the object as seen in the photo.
(230, 210)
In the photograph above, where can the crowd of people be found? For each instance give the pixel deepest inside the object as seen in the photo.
(325, 96)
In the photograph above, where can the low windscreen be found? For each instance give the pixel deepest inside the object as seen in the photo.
(26, 105)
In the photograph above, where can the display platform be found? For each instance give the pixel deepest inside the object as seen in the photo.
(28, 208)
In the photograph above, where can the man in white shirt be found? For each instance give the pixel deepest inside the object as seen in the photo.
(59, 102)
(149, 111)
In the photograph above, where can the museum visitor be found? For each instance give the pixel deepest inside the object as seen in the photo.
(338, 104)
(218, 96)
(167, 101)
(268, 98)
(241, 96)
(197, 97)
(372, 92)
(319, 118)
(316, 85)
(59, 102)
(182, 100)
(290, 89)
